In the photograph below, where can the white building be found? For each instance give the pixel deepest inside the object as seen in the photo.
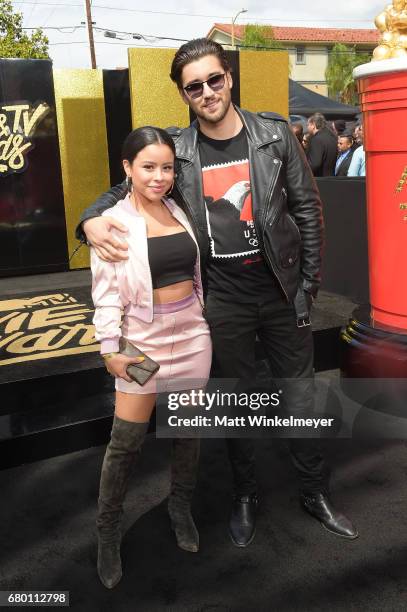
(308, 48)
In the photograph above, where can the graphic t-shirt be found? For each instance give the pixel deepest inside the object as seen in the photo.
(236, 268)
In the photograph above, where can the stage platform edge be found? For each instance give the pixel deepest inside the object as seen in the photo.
(66, 404)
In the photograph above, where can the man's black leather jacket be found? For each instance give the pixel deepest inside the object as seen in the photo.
(286, 204)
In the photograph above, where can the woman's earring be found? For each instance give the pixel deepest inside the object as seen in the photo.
(169, 192)
(129, 184)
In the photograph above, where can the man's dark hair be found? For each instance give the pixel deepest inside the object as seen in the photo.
(348, 137)
(140, 138)
(194, 50)
(340, 126)
(318, 120)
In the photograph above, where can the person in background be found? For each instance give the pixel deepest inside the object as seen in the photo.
(345, 154)
(339, 126)
(322, 150)
(358, 164)
(358, 135)
(305, 141)
(351, 131)
(298, 131)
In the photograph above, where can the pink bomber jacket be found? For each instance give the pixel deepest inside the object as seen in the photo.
(126, 286)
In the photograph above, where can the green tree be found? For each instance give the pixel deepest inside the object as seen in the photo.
(342, 61)
(260, 36)
(14, 42)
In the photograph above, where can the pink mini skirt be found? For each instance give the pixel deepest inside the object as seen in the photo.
(178, 339)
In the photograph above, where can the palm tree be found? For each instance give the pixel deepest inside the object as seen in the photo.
(261, 37)
(338, 74)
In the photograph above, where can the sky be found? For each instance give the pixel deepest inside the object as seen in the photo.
(182, 19)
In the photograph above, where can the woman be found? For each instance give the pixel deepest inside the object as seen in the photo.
(159, 290)
(305, 141)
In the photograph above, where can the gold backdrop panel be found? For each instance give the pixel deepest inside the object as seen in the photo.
(154, 97)
(264, 81)
(83, 146)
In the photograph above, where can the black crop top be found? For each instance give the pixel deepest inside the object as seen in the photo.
(172, 259)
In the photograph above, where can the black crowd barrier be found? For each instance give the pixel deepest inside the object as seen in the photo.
(345, 258)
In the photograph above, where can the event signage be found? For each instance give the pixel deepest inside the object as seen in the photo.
(18, 124)
(45, 326)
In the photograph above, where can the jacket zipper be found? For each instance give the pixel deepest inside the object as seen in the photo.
(185, 202)
(270, 262)
(263, 226)
(193, 217)
(270, 191)
(196, 285)
(198, 259)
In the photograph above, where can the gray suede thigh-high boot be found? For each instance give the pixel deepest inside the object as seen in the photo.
(123, 448)
(184, 466)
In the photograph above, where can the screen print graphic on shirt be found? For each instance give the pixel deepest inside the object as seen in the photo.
(229, 210)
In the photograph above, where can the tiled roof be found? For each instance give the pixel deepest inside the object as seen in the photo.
(349, 36)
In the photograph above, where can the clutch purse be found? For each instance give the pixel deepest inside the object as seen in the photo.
(139, 372)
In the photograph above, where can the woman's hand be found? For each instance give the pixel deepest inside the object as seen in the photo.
(117, 364)
(98, 234)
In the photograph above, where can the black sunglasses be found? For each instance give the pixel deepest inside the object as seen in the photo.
(216, 83)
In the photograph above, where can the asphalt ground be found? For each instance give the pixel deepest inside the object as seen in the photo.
(48, 538)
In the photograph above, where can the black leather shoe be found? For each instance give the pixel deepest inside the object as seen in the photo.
(242, 524)
(319, 506)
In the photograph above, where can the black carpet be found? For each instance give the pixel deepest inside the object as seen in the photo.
(48, 537)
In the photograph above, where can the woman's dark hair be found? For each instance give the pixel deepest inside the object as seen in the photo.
(142, 137)
(194, 50)
(298, 130)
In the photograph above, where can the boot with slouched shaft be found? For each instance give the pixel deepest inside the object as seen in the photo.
(184, 466)
(121, 452)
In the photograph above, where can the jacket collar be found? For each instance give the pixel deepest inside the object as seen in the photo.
(129, 207)
(260, 131)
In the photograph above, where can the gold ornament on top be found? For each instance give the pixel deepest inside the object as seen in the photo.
(392, 23)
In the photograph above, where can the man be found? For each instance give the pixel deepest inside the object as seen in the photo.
(246, 187)
(321, 153)
(345, 154)
(357, 166)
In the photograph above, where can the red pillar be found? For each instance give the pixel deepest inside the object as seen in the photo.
(383, 94)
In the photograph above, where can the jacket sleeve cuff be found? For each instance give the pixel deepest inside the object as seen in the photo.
(110, 345)
(311, 288)
(79, 233)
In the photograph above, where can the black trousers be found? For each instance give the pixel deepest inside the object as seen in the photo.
(289, 349)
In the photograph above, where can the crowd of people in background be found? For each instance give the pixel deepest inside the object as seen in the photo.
(332, 148)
